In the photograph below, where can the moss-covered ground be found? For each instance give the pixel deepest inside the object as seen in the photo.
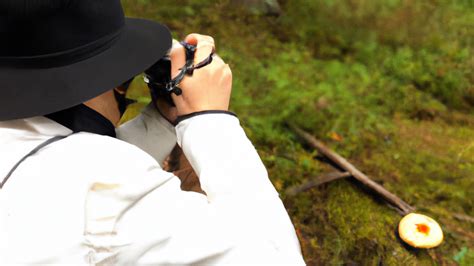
(387, 84)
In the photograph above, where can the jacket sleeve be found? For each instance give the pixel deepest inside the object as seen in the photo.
(251, 215)
(150, 132)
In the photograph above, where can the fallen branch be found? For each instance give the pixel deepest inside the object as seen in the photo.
(340, 161)
(291, 191)
(464, 217)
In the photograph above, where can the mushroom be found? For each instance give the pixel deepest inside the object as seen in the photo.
(420, 231)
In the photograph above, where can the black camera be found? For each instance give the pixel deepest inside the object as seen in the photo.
(158, 76)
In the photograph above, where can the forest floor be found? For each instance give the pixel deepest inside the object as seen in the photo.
(388, 85)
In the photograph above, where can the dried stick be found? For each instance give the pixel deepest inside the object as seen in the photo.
(464, 217)
(404, 207)
(291, 191)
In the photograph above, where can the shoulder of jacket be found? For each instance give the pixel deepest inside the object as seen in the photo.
(108, 151)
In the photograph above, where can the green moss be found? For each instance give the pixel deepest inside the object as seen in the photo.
(391, 79)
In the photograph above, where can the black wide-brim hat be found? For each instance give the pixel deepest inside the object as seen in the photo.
(57, 54)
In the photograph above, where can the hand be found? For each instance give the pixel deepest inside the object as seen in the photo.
(210, 87)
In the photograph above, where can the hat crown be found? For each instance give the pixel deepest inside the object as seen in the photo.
(27, 8)
(41, 27)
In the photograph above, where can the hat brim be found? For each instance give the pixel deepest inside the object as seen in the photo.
(32, 92)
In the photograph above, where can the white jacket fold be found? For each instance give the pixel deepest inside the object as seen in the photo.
(91, 199)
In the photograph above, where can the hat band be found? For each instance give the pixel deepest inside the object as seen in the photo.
(63, 58)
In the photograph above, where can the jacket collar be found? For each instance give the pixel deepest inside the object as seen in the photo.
(62, 123)
(34, 126)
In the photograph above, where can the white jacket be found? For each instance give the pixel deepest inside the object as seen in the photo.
(92, 199)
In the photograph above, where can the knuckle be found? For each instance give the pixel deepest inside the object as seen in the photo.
(207, 38)
(205, 44)
(210, 39)
(202, 37)
(177, 49)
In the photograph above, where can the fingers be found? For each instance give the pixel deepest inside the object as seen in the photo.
(203, 51)
(178, 58)
(195, 38)
(205, 45)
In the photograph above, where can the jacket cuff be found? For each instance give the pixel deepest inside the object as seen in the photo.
(184, 117)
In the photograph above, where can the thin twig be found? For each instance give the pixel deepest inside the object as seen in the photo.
(404, 207)
(291, 191)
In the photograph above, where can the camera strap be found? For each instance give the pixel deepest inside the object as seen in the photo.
(188, 68)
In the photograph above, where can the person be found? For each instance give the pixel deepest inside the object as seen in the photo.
(77, 188)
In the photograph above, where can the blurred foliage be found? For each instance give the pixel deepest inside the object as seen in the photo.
(392, 80)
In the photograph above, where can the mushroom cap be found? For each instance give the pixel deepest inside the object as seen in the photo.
(420, 231)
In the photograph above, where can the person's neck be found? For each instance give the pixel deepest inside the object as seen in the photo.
(106, 105)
